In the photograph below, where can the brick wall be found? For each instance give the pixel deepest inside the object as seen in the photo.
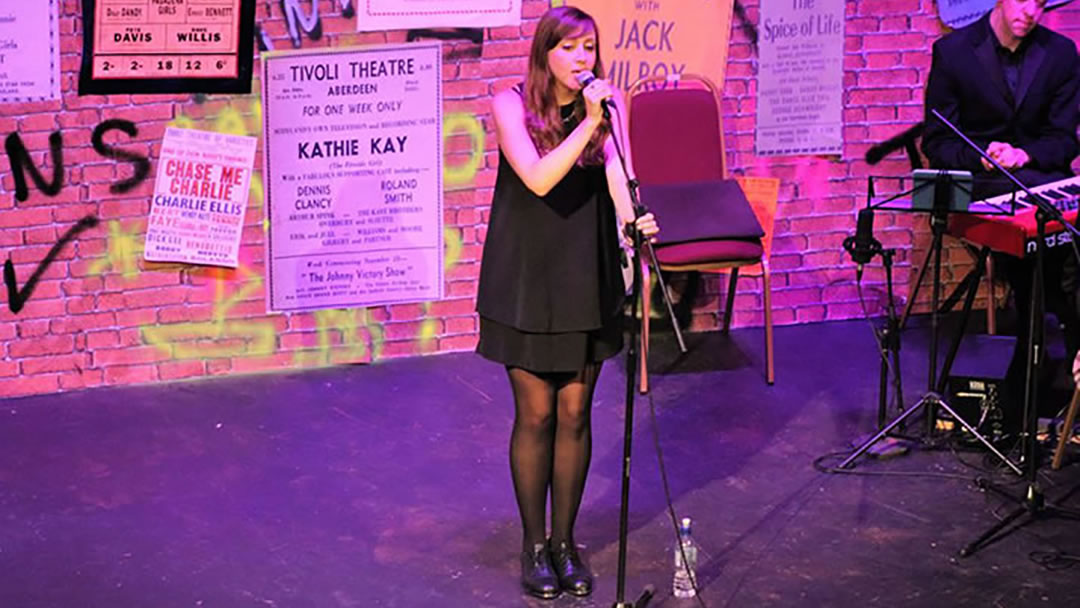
(100, 315)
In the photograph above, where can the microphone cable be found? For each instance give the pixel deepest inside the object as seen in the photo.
(654, 427)
(818, 463)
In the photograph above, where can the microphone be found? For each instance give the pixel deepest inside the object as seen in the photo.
(585, 78)
(863, 246)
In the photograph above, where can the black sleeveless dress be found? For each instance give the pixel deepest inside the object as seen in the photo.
(551, 289)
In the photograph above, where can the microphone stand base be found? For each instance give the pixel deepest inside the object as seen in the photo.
(642, 600)
(1032, 503)
(928, 403)
(887, 447)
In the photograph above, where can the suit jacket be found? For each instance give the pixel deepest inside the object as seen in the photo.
(966, 85)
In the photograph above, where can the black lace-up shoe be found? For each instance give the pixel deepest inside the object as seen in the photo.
(537, 574)
(574, 577)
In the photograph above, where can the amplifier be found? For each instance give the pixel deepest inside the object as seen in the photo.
(976, 388)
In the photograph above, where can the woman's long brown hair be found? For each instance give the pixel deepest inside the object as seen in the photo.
(542, 117)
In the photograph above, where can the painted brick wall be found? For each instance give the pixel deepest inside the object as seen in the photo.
(100, 315)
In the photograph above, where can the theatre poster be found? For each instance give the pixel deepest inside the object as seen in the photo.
(353, 168)
(167, 46)
(29, 51)
(800, 92)
(200, 197)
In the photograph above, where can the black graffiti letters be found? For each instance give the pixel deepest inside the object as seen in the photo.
(17, 297)
(21, 162)
(20, 159)
(142, 164)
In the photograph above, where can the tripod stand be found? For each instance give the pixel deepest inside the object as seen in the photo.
(943, 198)
(1032, 502)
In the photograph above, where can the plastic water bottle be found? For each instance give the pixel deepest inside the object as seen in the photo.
(682, 584)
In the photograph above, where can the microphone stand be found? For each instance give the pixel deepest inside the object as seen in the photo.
(1032, 502)
(888, 336)
(632, 354)
(890, 340)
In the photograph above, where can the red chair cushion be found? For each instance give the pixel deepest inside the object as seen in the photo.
(703, 252)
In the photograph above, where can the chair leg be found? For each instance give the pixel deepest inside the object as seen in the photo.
(991, 304)
(729, 308)
(1066, 431)
(770, 374)
(644, 338)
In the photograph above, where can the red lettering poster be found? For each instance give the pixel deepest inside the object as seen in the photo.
(352, 161)
(200, 198)
(167, 46)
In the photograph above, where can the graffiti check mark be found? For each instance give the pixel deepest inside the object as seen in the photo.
(17, 297)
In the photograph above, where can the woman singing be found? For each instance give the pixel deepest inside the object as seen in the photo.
(551, 289)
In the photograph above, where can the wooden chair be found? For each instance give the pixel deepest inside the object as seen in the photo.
(677, 138)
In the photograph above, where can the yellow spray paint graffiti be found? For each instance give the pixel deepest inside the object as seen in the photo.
(341, 335)
(232, 121)
(354, 348)
(209, 340)
(453, 246)
(464, 173)
(188, 340)
(182, 122)
(124, 249)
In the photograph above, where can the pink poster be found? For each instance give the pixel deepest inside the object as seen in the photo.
(353, 170)
(167, 46)
(200, 197)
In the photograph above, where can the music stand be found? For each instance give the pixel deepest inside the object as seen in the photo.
(982, 208)
(950, 195)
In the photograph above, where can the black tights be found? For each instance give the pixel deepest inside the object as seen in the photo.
(551, 446)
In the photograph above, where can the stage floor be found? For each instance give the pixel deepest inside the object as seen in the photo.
(388, 485)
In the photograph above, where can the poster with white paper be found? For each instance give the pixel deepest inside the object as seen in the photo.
(377, 15)
(800, 77)
(200, 196)
(353, 170)
(29, 51)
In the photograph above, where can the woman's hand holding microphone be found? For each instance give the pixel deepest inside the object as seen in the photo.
(597, 94)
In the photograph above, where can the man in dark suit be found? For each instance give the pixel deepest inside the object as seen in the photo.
(1013, 87)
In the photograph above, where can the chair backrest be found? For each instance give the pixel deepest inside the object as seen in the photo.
(677, 136)
(676, 130)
